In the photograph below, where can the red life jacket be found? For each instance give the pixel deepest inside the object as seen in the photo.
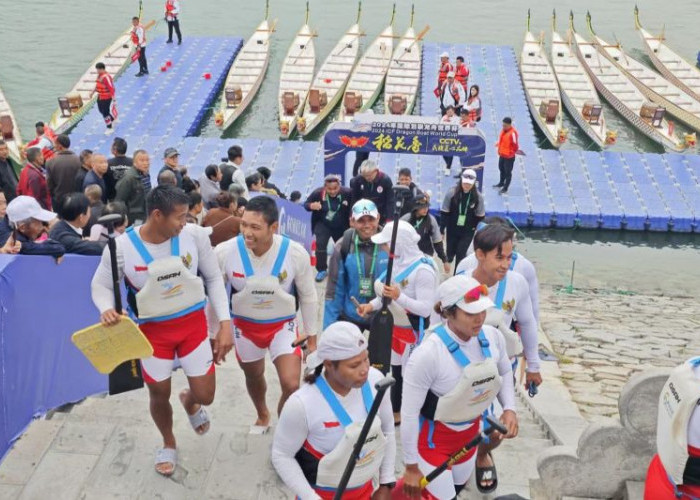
(45, 142)
(474, 114)
(508, 143)
(462, 75)
(104, 86)
(169, 6)
(444, 69)
(135, 36)
(454, 91)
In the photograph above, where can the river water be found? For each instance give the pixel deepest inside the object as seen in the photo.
(46, 44)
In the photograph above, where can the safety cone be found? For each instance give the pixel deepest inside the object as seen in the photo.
(313, 252)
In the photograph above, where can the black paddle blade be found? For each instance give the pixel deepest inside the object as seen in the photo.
(126, 377)
(381, 329)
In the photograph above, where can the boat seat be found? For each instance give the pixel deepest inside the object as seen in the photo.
(592, 112)
(552, 111)
(290, 102)
(233, 95)
(652, 114)
(7, 128)
(317, 100)
(75, 101)
(64, 107)
(352, 102)
(397, 105)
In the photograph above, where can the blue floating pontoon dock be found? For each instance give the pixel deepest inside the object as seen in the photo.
(568, 188)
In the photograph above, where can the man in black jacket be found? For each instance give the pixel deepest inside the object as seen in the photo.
(462, 209)
(406, 179)
(330, 217)
(75, 214)
(27, 222)
(371, 184)
(61, 170)
(8, 176)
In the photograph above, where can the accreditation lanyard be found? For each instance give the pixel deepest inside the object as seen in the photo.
(366, 282)
(463, 207)
(330, 215)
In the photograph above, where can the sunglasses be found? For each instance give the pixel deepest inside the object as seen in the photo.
(476, 293)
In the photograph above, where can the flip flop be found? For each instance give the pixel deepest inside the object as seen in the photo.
(197, 420)
(166, 456)
(486, 474)
(259, 430)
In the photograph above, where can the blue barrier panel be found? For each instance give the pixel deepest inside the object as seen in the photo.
(41, 368)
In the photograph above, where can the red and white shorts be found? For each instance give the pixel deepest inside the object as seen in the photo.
(445, 442)
(185, 337)
(403, 341)
(253, 340)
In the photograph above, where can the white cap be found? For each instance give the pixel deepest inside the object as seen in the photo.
(341, 340)
(364, 207)
(468, 176)
(444, 54)
(466, 293)
(26, 207)
(385, 235)
(451, 74)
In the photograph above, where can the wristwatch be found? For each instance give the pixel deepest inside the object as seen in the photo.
(389, 485)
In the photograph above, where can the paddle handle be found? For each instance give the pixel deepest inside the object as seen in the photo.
(108, 221)
(381, 388)
(399, 198)
(493, 426)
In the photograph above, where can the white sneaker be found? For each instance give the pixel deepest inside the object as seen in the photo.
(109, 131)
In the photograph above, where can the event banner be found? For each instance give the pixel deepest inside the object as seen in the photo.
(403, 135)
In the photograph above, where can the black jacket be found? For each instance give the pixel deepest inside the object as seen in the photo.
(73, 242)
(341, 203)
(46, 247)
(379, 191)
(409, 201)
(8, 180)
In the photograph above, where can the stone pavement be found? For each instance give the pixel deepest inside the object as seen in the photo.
(603, 338)
(104, 447)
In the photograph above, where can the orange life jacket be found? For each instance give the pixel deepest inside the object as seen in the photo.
(462, 75)
(135, 36)
(444, 69)
(508, 143)
(474, 114)
(454, 91)
(104, 86)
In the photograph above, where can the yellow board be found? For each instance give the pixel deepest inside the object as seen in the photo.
(108, 347)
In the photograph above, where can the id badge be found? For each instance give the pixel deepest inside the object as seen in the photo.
(462, 220)
(366, 287)
(330, 216)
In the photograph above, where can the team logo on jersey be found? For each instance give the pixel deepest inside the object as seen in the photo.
(187, 260)
(404, 283)
(282, 276)
(480, 395)
(170, 290)
(237, 275)
(380, 190)
(508, 305)
(330, 425)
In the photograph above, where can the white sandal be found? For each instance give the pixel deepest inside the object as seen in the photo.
(166, 456)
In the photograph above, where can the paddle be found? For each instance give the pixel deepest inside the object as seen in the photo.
(418, 38)
(127, 376)
(398, 494)
(382, 324)
(381, 388)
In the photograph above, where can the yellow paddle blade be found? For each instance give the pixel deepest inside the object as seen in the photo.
(108, 347)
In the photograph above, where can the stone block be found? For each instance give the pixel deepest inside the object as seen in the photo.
(59, 475)
(26, 453)
(634, 490)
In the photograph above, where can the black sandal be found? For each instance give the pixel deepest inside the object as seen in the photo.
(487, 474)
